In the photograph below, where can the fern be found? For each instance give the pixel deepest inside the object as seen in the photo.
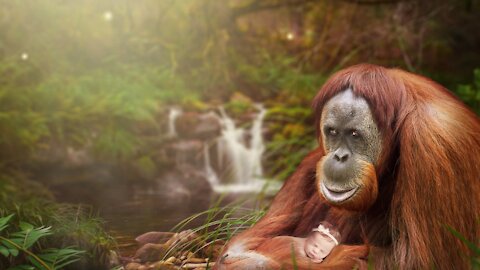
(22, 241)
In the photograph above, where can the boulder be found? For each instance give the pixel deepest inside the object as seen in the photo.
(182, 186)
(153, 238)
(133, 266)
(151, 252)
(192, 125)
(186, 152)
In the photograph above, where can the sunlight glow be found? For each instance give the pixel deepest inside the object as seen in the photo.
(24, 56)
(290, 36)
(108, 15)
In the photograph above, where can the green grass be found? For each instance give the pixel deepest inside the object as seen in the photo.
(220, 224)
(71, 225)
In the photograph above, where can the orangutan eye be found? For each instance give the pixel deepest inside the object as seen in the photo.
(332, 131)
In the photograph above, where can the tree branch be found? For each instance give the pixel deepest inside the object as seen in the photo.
(257, 6)
(375, 2)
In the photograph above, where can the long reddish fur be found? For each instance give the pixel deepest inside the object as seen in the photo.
(428, 180)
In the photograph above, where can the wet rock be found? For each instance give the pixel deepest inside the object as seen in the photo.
(194, 260)
(161, 265)
(193, 125)
(113, 258)
(151, 252)
(171, 260)
(153, 238)
(183, 186)
(213, 250)
(208, 126)
(178, 248)
(132, 266)
(197, 265)
(186, 152)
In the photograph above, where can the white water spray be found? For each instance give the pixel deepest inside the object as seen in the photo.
(173, 114)
(239, 155)
(210, 173)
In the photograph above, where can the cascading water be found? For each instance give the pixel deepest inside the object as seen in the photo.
(239, 156)
(210, 173)
(173, 113)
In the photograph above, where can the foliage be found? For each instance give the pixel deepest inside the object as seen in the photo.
(473, 247)
(291, 138)
(270, 76)
(11, 244)
(470, 93)
(220, 223)
(71, 225)
(73, 77)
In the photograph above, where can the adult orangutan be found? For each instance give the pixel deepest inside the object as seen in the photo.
(398, 163)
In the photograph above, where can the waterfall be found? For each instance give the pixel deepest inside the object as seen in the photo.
(173, 113)
(244, 156)
(237, 153)
(239, 156)
(210, 173)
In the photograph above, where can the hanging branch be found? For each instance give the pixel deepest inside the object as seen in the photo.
(259, 6)
(375, 2)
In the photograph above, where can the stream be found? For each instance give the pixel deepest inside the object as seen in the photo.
(230, 166)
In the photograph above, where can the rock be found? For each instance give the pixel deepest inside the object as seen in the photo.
(190, 255)
(132, 266)
(153, 238)
(171, 260)
(193, 125)
(113, 259)
(208, 127)
(182, 185)
(161, 265)
(187, 152)
(195, 260)
(213, 250)
(151, 252)
(197, 265)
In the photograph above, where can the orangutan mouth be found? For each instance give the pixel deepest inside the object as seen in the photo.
(337, 196)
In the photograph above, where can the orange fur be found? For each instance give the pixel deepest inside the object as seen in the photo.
(427, 179)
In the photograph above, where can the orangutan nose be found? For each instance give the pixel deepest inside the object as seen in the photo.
(341, 155)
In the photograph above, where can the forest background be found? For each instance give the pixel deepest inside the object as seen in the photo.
(101, 76)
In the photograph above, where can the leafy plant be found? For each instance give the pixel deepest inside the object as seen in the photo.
(23, 241)
(474, 247)
(470, 93)
(220, 223)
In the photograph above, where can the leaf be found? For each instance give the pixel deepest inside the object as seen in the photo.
(10, 248)
(471, 245)
(36, 263)
(4, 251)
(22, 267)
(58, 258)
(26, 226)
(4, 221)
(26, 238)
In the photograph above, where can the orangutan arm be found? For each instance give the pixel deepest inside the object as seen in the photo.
(284, 253)
(286, 209)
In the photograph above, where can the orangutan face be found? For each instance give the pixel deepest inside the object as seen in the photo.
(346, 174)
